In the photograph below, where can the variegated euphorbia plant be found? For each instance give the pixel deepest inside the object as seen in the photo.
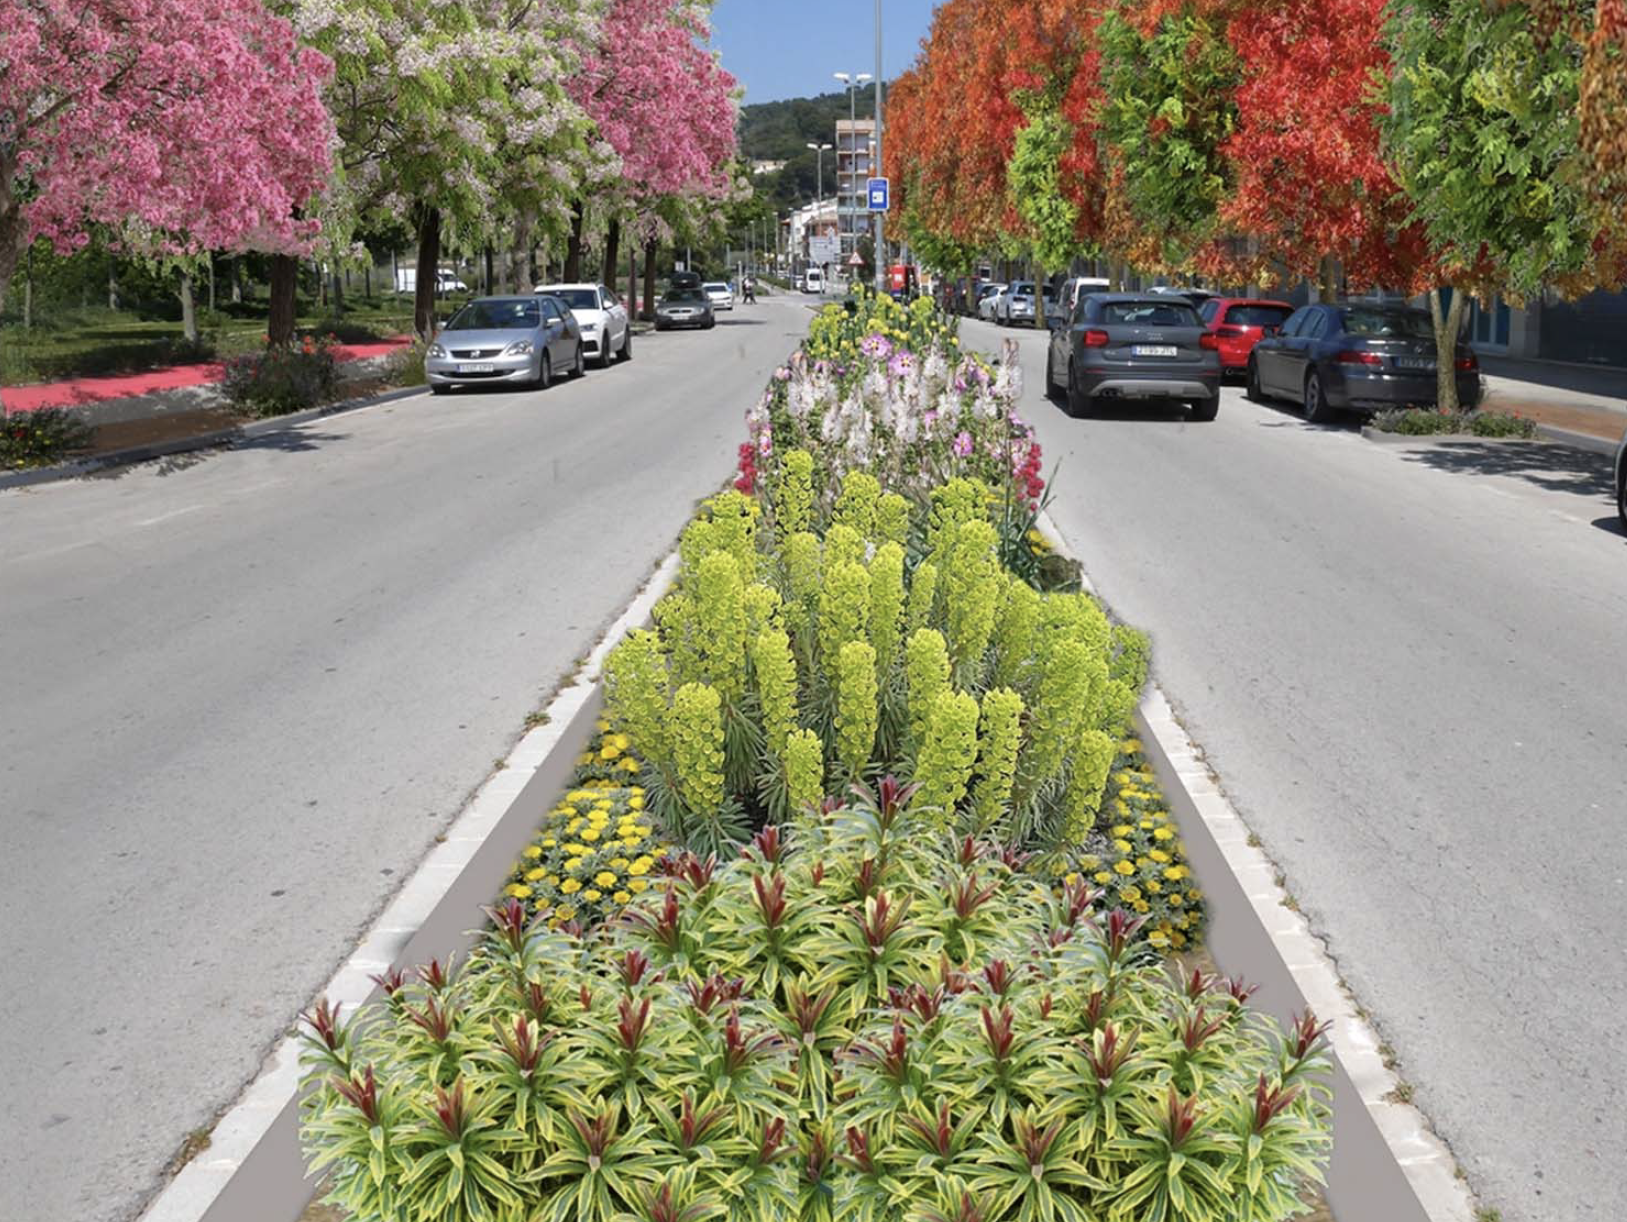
(859, 1017)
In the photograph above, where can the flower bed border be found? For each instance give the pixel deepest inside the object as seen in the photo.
(253, 1169)
(1386, 1161)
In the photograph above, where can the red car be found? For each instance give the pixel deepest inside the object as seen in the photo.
(1238, 323)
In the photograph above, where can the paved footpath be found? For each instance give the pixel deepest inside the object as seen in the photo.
(244, 690)
(1405, 664)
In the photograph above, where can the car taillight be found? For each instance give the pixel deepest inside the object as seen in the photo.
(1353, 357)
(1230, 331)
(1096, 339)
(1468, 362)
(1209, 340)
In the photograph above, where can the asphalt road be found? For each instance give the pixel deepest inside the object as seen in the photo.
(1406, 665)
(243, 691)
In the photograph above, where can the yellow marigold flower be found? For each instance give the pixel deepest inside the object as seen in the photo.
(1163, 833)
(1175, 873)
(577, 864)
(638, 885)
(519, 891)
(590, 834)
(1146, 825)
(619, 863)
(601, 725)
(1154, 886)
(1070, 879)
(1102, 876)
(532, 851)
(1124, 867)
(1090, 862)
(621, 897)
(532, 876)
(622, 741)
(1142, 906)
(552, 880)
(564, 912)
(1130, 895)
(590, 895)
(573, 825)
(1158, 937)
(636, 802)
(1124, 846)
(571, 886)
(629, 764)
(605, 878)
(1176, 899)
(577, 850)
(1178, 939)
(1123, 829)
(609, 751)
(1158, 855)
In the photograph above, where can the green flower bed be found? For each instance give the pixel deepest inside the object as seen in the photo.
(40, 438)
(742, 971)
(1421, 422)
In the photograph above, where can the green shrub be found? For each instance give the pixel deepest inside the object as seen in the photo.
(40, 438)
(406, 367)
(1501, 424)
(860, 1017)
(282, 380)
(1418, 422)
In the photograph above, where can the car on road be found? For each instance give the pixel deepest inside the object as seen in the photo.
(1356, 356)
(606, 332)
(684, 280)
(1133, 347)
(1239, 323)
(1072, 290)
(1017, 304)
(1621, 481)
(514, 341)
(719, 294)
(1196, 296)
(813, 280)
(988, 300)
(684, 308)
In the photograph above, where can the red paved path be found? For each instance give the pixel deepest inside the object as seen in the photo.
(78, 392)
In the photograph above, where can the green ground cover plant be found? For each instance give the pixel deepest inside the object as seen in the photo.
(1423, 422)
(861, 1016)
(276, 381)
(40, 438)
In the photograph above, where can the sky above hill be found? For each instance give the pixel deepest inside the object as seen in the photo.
(789, 48)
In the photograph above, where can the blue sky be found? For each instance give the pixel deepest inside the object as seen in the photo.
(789, 48)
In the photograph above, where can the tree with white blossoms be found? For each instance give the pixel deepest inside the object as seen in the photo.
(451, 113)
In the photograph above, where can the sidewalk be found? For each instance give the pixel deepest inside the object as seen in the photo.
(1594, 415)
(87, 392)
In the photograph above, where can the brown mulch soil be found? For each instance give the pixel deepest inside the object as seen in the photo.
(1606, 424)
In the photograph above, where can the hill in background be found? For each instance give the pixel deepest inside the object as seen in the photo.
(781, 131)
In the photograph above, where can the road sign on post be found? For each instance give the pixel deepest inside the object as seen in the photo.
(879, 193)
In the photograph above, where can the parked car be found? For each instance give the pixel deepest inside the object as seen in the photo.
(1133, 347)
(406, 281)
(684, 308)
(513, 340)
(684, 280)
(1017, 304)
(719, 294)
(813, 280)
(602, 317)
(1072, 290)
(1621, 481)
(989, 300)
(1196, 296)
(1360, 357)
(1239, 323)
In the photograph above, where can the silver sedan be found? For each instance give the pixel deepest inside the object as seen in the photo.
(521, 341)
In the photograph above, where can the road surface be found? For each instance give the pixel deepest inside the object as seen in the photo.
(1406, 665)
(245, 690)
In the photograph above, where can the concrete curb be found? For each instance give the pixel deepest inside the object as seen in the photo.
(203, 441)
(1546, 434)
(253, 1169)
(1386, 1162)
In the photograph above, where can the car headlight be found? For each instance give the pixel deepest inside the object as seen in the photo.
(588, 328)
(520, 347)
(435, 350)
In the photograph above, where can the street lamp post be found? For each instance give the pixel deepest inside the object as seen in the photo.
(819, 186)
(853, 81)
(881, 166)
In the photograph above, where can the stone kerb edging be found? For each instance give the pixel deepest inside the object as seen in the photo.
(252, 1170)
(1386, 1164)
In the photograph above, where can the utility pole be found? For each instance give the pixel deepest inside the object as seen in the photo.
(881, 217)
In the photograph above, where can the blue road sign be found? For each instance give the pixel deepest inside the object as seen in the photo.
(880, 193)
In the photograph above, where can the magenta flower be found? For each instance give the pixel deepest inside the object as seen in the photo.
(903, 364)
(876, 347)
(963, 443)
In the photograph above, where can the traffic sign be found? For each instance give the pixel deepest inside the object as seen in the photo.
(879, 191)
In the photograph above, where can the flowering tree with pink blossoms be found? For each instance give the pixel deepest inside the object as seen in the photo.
(661, 100)
(177, 125)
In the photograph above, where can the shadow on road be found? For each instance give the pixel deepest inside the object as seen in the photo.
(1611, 525)
(1558, 468)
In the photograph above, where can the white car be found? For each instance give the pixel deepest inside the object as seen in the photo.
(989, 302)
(1079, 286)
(602, 317)
(719, 294)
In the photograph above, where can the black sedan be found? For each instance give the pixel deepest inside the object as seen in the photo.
(685, 308)
(1122, 347)
(1356, 357)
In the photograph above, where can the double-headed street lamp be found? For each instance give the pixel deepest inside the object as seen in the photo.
(819, 181)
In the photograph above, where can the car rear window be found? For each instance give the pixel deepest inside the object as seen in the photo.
(497, 316)
(1257, 315)
(1150, 313)
(1388, 324)
(686, 295)
(577, 299)
(716, 288)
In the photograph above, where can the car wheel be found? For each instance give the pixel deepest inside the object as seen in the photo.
(1206, 409)
(1078, 403)
(605, 356)
(1252, 391)
(580, 365)
(1317, 410)
(1050, 375)
(710, 323)
(435, 388)
(627, 344)
(545, 369)
(1621, 500)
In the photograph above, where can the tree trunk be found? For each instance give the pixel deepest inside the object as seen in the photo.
(338, 290)
(1115, 275)
(1328, 283)
(189, 312)
(612, 249)
(490, 277)
(284, 291)
(429, 262)
(395, 273)
(237, 281)
(211, 283)
(367, 279)
(648, 311)
(573, 245)
(28, 292)
(1039, 297)
(113, 286)
(1448, 322)
(632, 282)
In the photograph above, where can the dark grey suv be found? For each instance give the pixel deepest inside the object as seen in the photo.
(1119, 347)
(1355, 357)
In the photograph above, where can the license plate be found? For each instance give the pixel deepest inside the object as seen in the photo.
(477, 368)
(1422, 364)
(1154, 350)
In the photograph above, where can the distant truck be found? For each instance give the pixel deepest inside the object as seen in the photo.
(446, 281)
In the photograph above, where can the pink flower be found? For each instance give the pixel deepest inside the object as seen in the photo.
(903, 364)
(963, 443)
(876, 347)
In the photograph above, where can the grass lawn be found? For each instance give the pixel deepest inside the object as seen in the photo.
(96, 342)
